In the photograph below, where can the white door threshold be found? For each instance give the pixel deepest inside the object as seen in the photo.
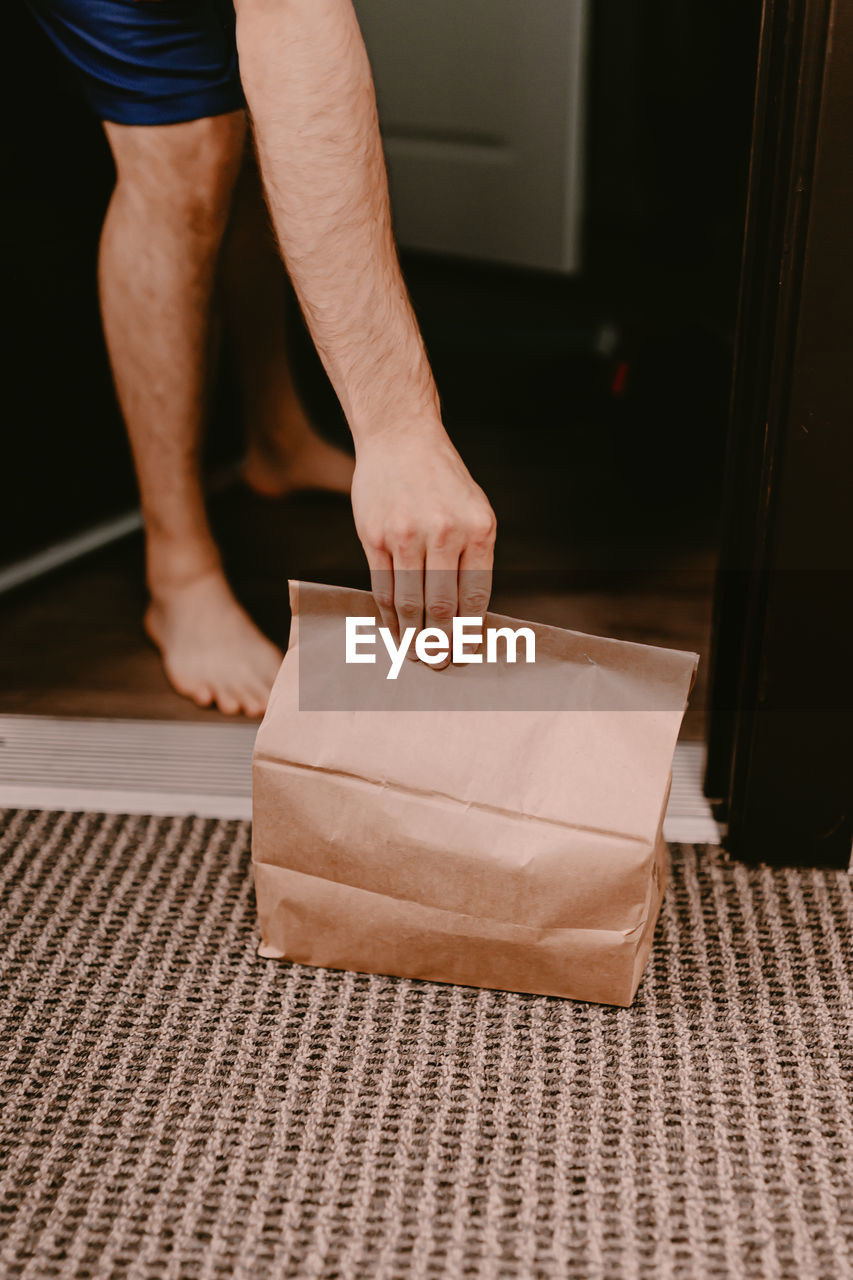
(172, 768)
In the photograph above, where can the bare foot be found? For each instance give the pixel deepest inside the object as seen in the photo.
(211, 649)
(273, 470)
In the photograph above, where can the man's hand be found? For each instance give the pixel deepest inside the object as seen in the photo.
(427, 529)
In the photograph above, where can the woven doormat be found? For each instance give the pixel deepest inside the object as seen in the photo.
(175, 1106)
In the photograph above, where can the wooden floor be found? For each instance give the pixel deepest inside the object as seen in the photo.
(73, 645)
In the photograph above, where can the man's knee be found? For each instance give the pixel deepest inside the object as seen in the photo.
(185, 172)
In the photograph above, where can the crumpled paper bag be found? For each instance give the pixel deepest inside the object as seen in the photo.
(515, 843)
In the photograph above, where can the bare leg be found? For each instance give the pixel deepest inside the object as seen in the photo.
(159, 250)
(284, 452)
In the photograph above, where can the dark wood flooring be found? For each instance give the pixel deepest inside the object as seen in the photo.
(73, 645)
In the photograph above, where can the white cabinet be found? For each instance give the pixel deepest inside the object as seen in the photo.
(481, 106)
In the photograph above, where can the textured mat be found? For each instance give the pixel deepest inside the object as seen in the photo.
(176, 1107)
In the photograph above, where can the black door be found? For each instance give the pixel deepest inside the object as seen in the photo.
(780, 742)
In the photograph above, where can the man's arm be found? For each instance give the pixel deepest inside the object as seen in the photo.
(310, 92)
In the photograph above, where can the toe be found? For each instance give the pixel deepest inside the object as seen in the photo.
(255, 700)
(187, 687)
(248, 689)
(201, 695)
(228, 702)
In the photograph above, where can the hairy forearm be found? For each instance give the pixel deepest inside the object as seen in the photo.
(310, 93)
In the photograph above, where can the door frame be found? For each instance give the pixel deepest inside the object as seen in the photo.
(780, 749)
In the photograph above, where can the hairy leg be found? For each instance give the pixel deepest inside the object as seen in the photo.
(159, 251)
(284, 452)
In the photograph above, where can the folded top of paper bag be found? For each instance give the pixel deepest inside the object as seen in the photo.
(583, 736)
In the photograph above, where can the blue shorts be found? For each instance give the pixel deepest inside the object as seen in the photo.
(149, 61)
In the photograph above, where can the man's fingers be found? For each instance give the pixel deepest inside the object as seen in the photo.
(475, 567)
(382, 586)
(409, 588)
(441, 597)
(426, 571)
(475, 580)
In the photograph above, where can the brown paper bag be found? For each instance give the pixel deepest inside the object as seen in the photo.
(514, 843)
